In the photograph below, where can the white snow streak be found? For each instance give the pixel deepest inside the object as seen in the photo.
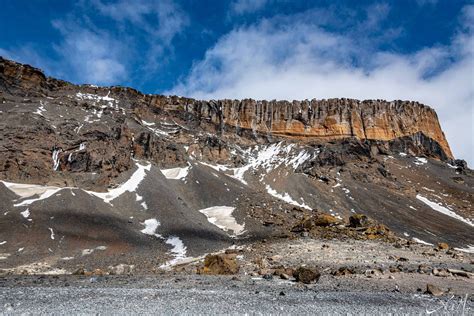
(286, 197)
(175, 173)
(46, 194)
(420, 161)
(221, 216)
(55, 157)
(268, 157)
(178, 250)
(26, 190)
(129, 186)
(421, 241)
(468, 249)
(25, 213)
(52, 233)
(151, 225)
(439, 208)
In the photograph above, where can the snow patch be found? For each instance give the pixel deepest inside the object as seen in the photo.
(48, 192)
(40, 110)
(178, 250)
(421, 241)
(67, 258)
(420, 161)
(151, 225)
(129, 186)
(96, 98)
(285, 197)
(86, 252)
(55, 157)
(221, 216)
(169, 128)
(52, 233)
(268, 157)
(175, 173)
(439, 208)
(468, 249)
(25, 213)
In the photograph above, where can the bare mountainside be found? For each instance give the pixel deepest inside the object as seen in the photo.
(100, 177)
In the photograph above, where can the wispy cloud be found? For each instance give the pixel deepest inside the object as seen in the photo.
(93, 56)
(289, 58)
(159, 21)
(163, 19)
(247, 6)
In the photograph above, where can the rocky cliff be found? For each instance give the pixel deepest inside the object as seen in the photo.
(325, 119)
(57, 132)
(302, 120)
(92, 173)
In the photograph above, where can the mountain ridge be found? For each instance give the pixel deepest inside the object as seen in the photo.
(94, 173)
(307, 119)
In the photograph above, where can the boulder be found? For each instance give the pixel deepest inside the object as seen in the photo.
(343, 271)
(306, 275)
(79, 271)
(443, 246)
(219, 264)
(304, 225)
(433, 290)
(377, 231)
(325, 220)
(121, 269)
(358, 220)
(308, 223)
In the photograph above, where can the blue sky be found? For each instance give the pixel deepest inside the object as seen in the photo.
(405, 49)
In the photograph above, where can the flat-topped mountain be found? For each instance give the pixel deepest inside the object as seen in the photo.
(107, 175)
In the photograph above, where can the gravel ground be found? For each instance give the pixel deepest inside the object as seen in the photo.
(208, 295)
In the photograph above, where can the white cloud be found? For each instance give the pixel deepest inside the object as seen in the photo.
(247, 6)
(93, 56)
(289, 58)
(163, 19)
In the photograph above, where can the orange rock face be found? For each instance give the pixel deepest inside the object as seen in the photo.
(324, 119)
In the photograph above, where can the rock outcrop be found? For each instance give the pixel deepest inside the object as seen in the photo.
(303, 120)
(324, 119)
(52, 131)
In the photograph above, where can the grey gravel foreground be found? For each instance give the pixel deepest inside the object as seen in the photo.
(119, 300)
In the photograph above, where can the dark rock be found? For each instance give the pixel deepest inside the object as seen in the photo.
(79, 271)
(358, 220)
(343, 271)
(306, 275)
(268, 277)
